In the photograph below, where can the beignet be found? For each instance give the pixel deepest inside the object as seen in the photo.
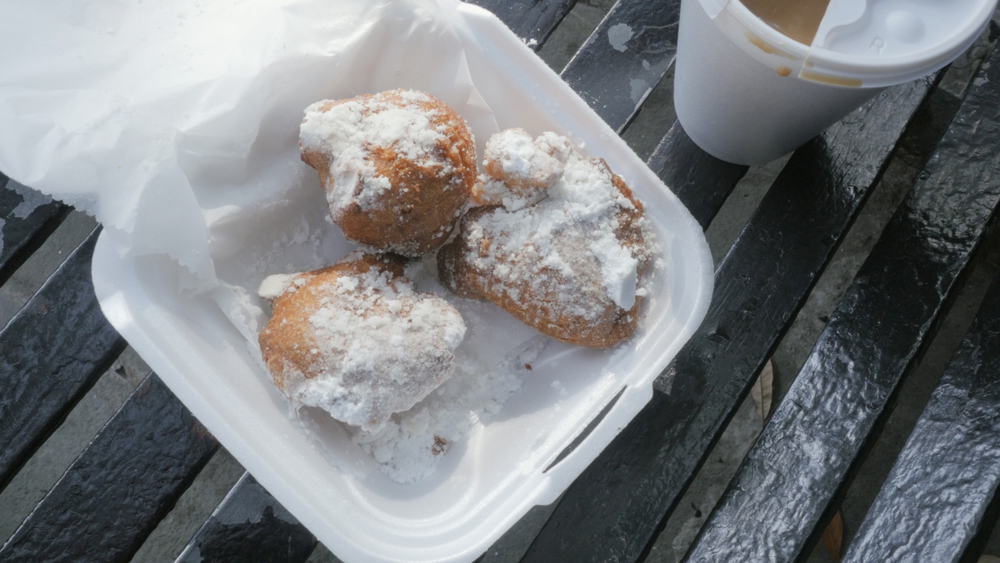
(398, 167)
(564, 252)
(357, 340)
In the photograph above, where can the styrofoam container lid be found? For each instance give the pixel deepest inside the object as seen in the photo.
(864, 43)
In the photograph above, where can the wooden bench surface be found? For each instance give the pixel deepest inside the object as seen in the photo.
(789, 485)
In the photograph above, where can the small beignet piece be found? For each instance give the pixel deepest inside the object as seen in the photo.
(567, 265)
(398, 167)
(519, 168)
(357, 340)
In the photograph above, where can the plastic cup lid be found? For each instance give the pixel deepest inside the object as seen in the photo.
(882, 42)
(896, 40)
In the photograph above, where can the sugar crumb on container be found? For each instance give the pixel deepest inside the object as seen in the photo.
(409, 447)
(357, 340)
(560, 244)
(398, 167)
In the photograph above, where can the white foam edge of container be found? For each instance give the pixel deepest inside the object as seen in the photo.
(487, 482)
(847, 29)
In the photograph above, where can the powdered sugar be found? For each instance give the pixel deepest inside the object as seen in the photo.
(276, 285)
(619, 270)
(409, 447)
(519, 169)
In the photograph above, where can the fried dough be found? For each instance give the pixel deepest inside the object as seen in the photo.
(568, 264)
(357, 340)
(398, 167)
(520, 169)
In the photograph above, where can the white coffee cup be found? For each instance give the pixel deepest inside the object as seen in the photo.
(747, 93)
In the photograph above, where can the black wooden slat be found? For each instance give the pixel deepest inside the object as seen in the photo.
(615, 509)
(51, 353)
(949, 471)
(249, 526)
(532, 20)
(776, 503)
(625, 58)
(24, 227)
(114, 494)
(701, 181)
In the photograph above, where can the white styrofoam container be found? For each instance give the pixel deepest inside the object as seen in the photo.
(504, 466)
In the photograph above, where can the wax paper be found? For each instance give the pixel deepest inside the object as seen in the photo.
(168, 120)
